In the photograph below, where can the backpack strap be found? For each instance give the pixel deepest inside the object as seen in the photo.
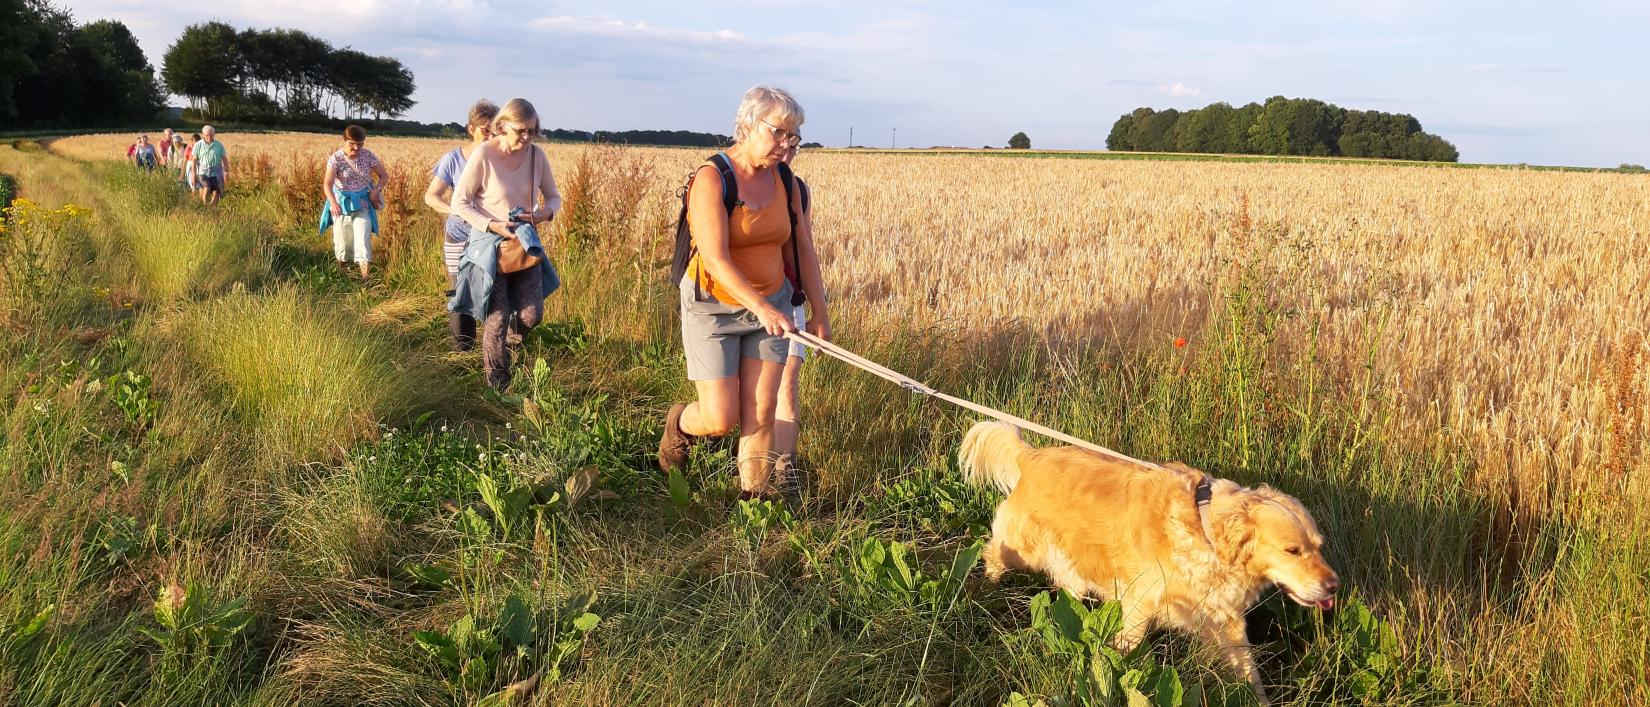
(730, 186)
(730, 201)
(788, 178)
(807, 195)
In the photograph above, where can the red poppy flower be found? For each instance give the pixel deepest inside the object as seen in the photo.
(1180, 343)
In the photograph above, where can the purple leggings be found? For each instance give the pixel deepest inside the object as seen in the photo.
(520, 294)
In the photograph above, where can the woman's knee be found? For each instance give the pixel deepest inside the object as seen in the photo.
(717, 420)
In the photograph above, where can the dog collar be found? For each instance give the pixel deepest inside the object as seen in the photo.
(1202, 494)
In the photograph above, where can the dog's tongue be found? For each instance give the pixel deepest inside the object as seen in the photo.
(1325, 604)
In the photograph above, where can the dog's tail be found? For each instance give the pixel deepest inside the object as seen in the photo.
(990, 454)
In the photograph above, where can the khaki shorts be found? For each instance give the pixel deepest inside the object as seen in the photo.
(716, 335)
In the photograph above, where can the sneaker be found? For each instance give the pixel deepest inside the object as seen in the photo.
(787, 479)
(674, 444)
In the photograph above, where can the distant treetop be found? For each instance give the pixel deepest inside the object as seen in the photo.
(1281, 126)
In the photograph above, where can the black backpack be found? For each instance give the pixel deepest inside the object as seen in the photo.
(730, 200)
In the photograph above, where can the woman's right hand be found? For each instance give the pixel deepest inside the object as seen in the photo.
(337, 211)
(774, 321)
(501, 228)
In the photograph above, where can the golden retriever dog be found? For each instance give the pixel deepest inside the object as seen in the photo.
(1109, 529)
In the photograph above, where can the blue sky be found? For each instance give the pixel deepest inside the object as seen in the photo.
(1511, 81)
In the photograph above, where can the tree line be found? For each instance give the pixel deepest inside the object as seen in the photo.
(55, 73)
(680, 138)
(281, 76)
(1281, 126)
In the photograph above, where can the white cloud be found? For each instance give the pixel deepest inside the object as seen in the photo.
(1179, 89)
(612, 28)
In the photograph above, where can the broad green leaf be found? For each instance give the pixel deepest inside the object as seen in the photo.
(429, 575)
(477, 671)
(1067, 613)
(964, 563)
(438, 645)
(576, 605)
(586, 622)
(1169, 692)
(897, 553)
(680, 495)
(1039, 610)
(1105, 676)
(1104, 623)
(515, 621)
(1194, 695)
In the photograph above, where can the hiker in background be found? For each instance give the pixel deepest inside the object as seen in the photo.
(353, 200)
(736, 304)
(165, 147)
(187, 165)
(174, 156)
(211, 164)
(142, 154)
(788, 414)
(454, 231)
(504, 275)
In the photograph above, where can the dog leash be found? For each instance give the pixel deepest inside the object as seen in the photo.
(1201, 495)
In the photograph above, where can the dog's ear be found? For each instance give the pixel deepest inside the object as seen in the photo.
(1237, 534)
(1186, 475)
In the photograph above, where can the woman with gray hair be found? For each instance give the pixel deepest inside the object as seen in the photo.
(734, 298)
(505, 193)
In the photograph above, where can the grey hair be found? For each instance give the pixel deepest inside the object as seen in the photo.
(760, 102)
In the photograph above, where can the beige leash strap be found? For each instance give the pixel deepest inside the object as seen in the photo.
(1200, 496)
(908, 383)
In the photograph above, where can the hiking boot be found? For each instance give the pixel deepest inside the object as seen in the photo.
(674, 444)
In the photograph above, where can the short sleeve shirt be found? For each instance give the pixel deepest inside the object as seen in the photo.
(208, 158)
(449, 167)
(357, 176)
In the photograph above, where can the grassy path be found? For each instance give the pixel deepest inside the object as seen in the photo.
(228, 464)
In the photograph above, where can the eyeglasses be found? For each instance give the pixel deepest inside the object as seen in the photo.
(783, 137)
(517, 129)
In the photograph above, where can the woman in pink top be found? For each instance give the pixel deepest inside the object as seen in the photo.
(503, 173)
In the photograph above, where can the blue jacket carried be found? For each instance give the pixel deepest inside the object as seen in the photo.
(478, 268)
(350, 202)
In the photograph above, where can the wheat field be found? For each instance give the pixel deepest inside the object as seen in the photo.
(1505, 307)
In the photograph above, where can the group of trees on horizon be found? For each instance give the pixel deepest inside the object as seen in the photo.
(54, 73)
(1281, 126)
(281, 76)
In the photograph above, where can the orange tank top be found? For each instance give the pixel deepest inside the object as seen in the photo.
(755, 240)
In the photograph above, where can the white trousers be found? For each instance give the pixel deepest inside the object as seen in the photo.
(352, 236)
